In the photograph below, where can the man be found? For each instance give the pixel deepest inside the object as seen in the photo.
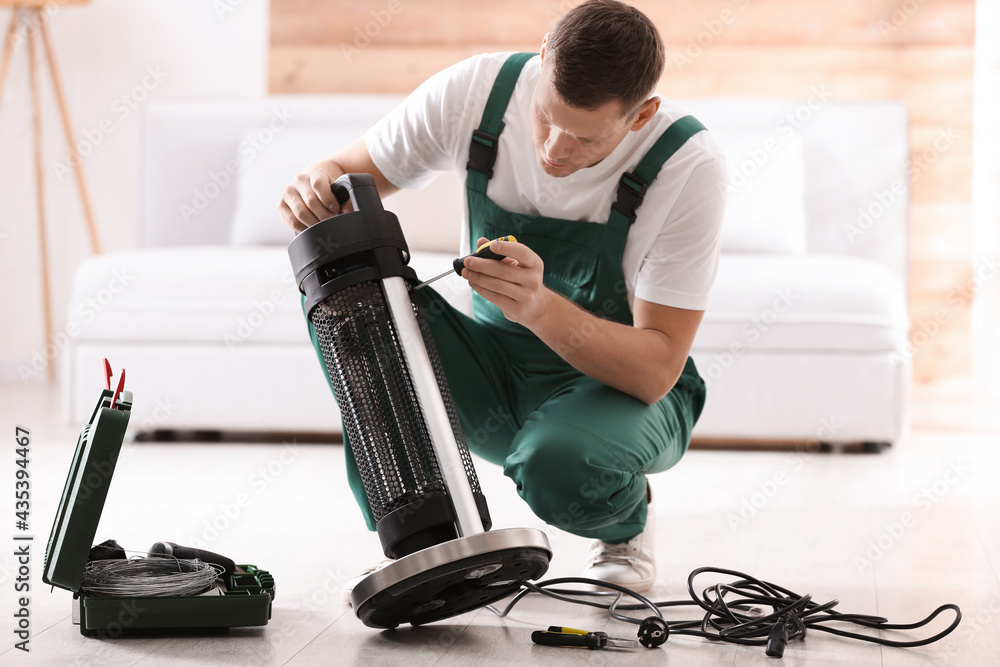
(582, 334)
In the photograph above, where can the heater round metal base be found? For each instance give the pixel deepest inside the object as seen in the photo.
(451, 578)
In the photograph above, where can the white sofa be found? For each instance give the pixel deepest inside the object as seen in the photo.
(805, 337)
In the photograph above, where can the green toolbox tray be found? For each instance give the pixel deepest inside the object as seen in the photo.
(248, 594)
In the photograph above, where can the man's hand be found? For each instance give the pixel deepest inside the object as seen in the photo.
(643, 360)
(309, 199)
(513, 284)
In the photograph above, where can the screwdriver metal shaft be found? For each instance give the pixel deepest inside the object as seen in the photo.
(428, 282)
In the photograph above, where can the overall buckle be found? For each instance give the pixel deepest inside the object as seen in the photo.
(482, 152)
(631, 190)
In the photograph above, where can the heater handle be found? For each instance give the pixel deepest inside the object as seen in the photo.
(360, 190)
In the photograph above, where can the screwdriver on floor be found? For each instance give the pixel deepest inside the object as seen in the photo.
(559, 636)
(459, 264)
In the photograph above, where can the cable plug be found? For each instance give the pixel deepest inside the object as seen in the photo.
(777, 639)
(653, 631)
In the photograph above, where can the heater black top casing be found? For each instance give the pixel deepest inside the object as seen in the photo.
(366, 244)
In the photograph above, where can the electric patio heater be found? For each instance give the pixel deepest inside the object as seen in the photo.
(402, 424)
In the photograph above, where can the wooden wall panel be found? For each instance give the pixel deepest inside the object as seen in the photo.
(918, 53)
(682, 23)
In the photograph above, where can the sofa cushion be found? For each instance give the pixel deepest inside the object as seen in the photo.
(765, 209)
(206, 294)
(235, 295)
(261, 181)
(814, 303)
(430, 217)
(766, 203)
(765, 206)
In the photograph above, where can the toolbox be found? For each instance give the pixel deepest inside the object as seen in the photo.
(242, 599)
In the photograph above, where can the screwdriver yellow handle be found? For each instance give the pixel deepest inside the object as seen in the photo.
(510, 238)
(482, 251)
(567, 631)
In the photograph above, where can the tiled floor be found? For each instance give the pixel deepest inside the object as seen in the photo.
(833, 527)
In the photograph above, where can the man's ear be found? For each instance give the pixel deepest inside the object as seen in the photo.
(646, 113)
(541, 51)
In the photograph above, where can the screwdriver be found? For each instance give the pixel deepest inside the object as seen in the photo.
(459, 264)
(559, 636)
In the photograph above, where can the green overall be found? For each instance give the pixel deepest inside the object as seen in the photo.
(577, 450)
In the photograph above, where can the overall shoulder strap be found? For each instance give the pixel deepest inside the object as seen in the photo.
(633, 184)
(483, 149)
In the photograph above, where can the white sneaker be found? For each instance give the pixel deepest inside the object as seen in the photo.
(630, 564)
(348, 587)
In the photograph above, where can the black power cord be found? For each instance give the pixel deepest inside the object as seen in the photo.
(740, 619)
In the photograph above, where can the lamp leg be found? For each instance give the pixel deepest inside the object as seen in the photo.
(70, 136)
(36, 117)
(8, 50)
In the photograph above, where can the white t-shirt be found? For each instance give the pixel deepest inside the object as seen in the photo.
(672, 250)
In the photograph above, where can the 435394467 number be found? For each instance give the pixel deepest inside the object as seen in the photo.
(22, 479)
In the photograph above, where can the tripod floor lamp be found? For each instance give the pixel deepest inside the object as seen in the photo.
(29, 20)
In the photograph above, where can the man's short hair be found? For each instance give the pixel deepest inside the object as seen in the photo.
(603, 51)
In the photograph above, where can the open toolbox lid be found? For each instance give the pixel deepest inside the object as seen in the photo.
(86, 490)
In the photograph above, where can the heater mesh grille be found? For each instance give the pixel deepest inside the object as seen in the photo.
(382, 416)
(449, 402)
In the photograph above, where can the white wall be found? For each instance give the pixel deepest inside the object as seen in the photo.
(113, 55)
